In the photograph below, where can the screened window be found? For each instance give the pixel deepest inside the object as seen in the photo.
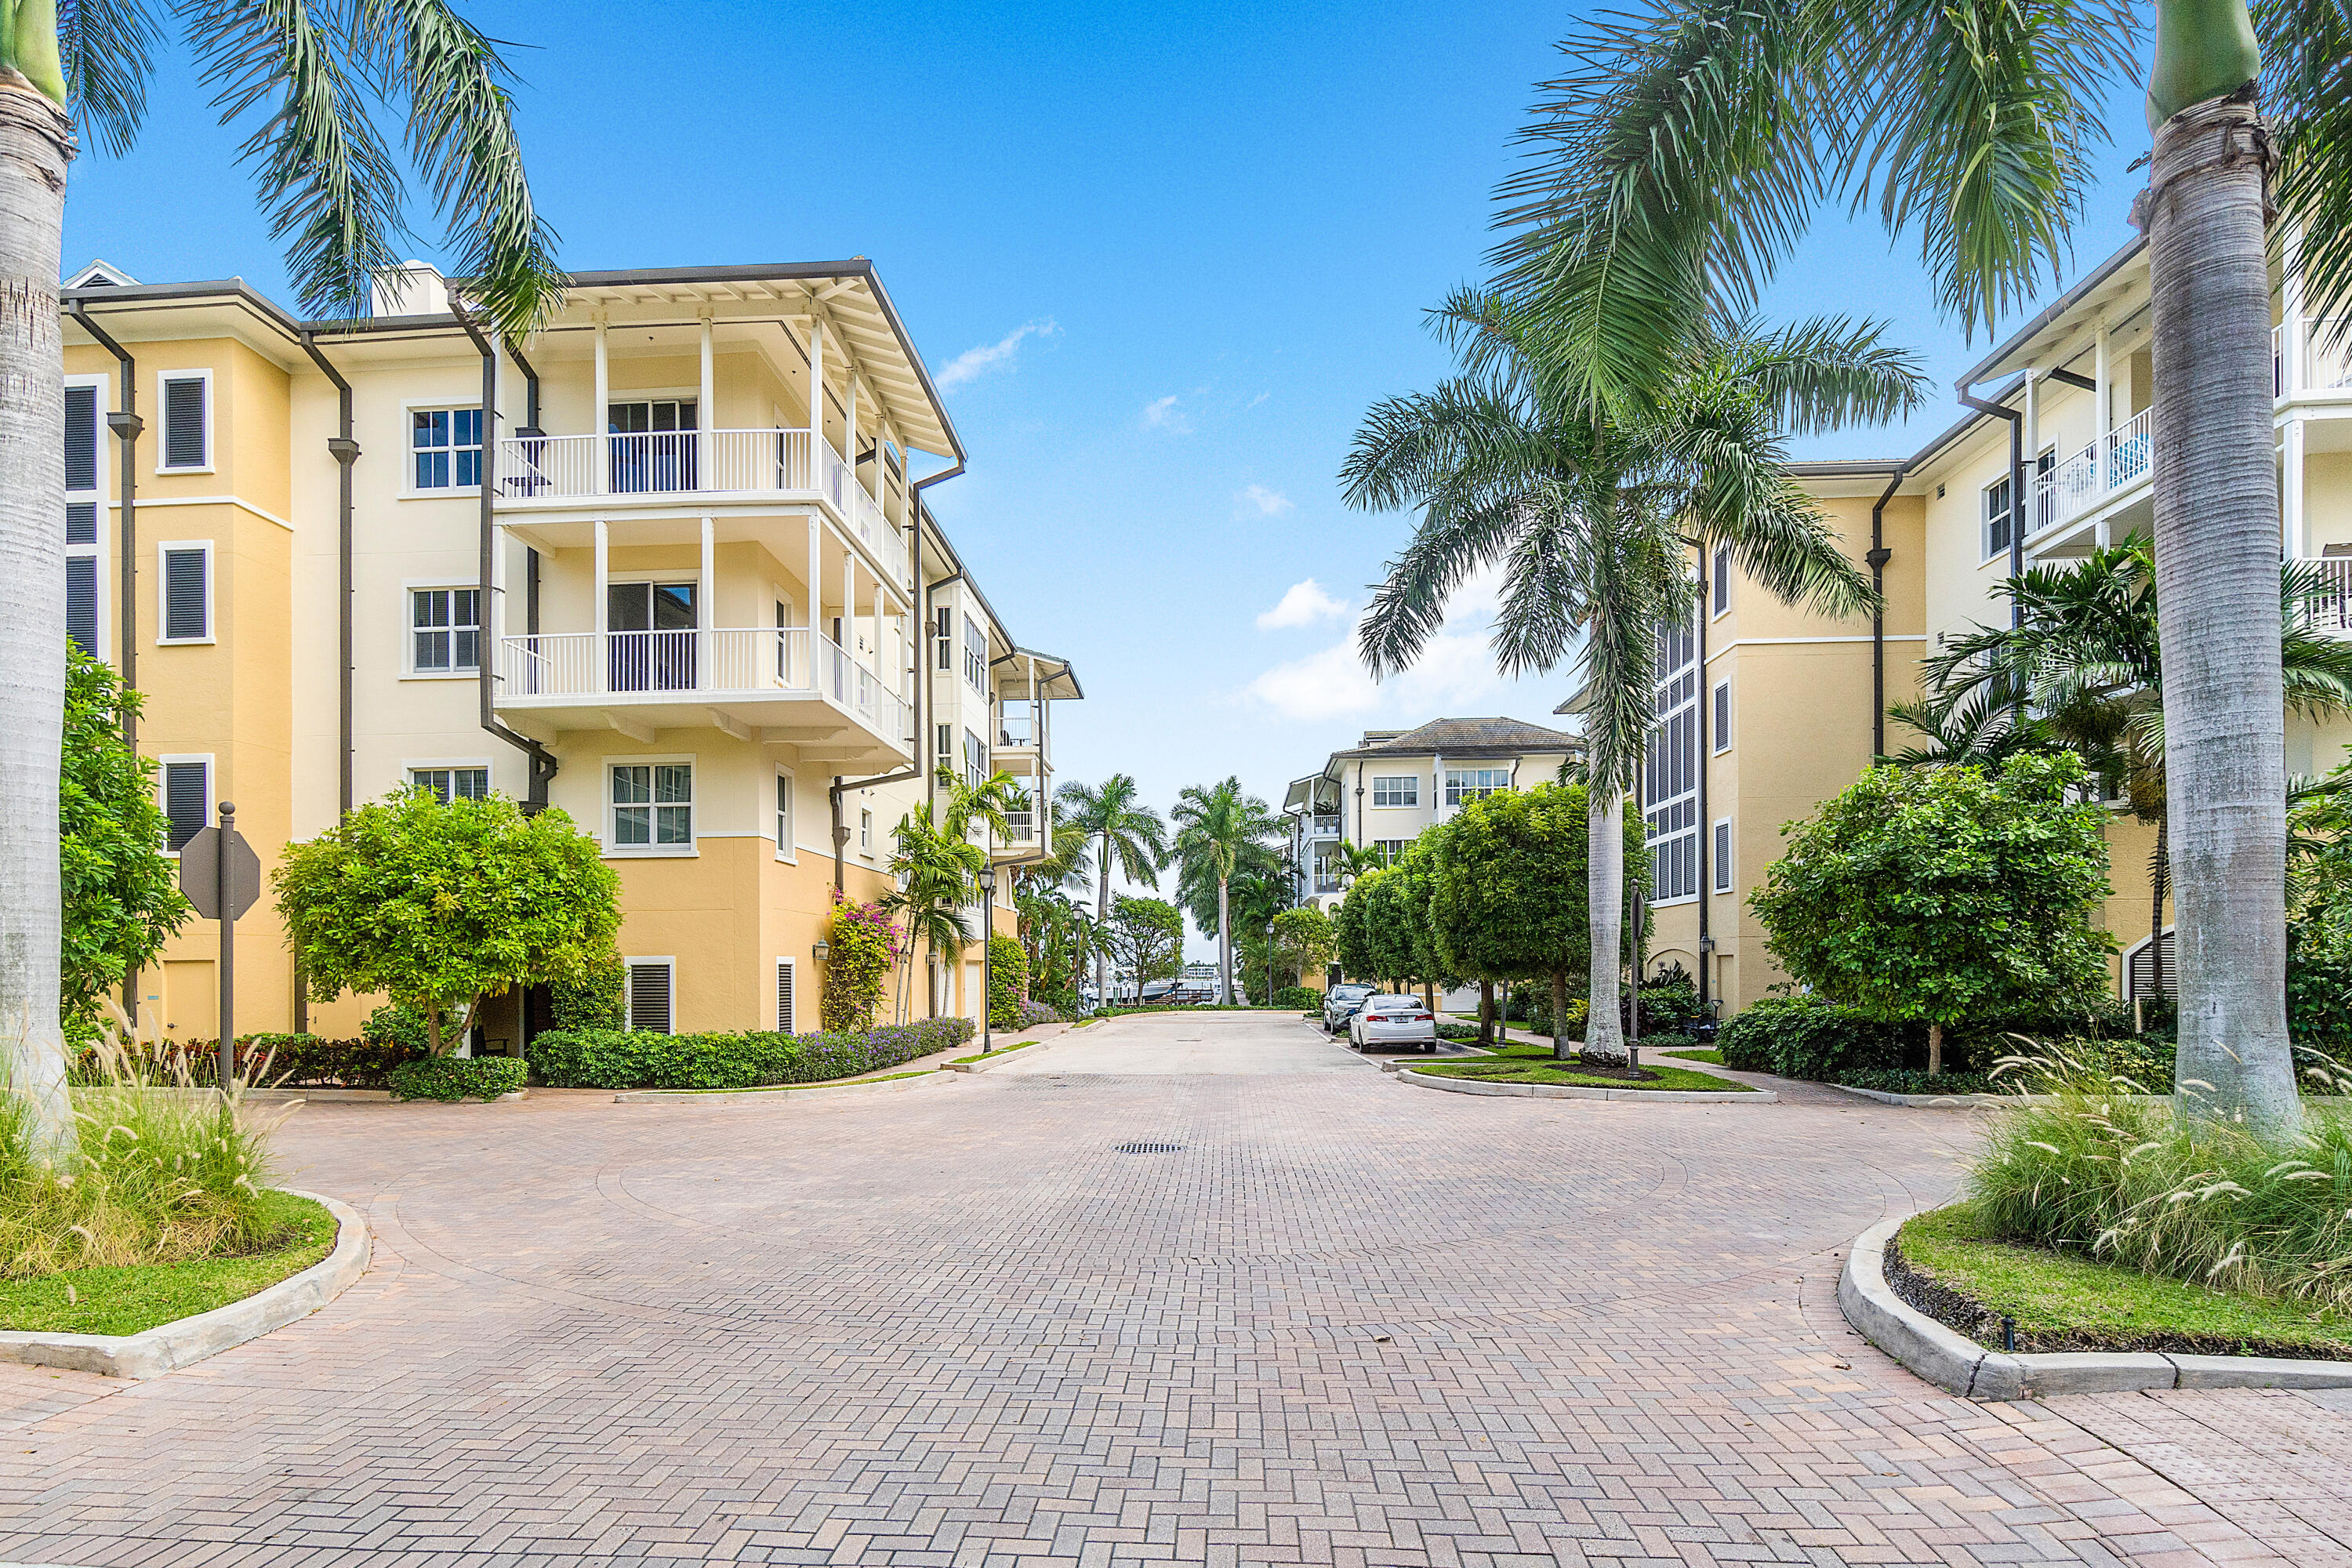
(784, 845)
(445, 629)
(1403, 791)
(2000, 517)
(1723, 855)
(82, 499)
(1475, 783)
(446, 445)
(1723, 716)
(188, 422)
(452, 784)
(187, 593)
(653, 806)
(1719, 589)
(187, 799)
(650, 985)
(1670, 770)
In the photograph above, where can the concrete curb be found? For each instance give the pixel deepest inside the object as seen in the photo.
(169, 1346)
(996, 1058)
(773, 1092)
(1961, 1366)
(1578, 1092)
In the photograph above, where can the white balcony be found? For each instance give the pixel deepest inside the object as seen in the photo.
(2333, 616)
(761, 682)
(2108, 466)
(564, 472)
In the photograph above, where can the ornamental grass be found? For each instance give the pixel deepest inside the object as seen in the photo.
(2105, 1168)
(166, 1170)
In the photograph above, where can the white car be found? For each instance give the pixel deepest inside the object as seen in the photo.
(1389, 1022)
(1340, 1005)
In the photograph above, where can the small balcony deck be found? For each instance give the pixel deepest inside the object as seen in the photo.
(755, 683)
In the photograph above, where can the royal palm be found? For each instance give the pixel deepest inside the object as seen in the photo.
(1123, 831)
(331, 188)
(1220, 830)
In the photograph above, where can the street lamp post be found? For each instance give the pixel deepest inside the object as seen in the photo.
(987, 880)
(1269, 962)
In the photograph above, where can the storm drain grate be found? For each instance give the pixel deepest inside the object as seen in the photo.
(1142, 1148)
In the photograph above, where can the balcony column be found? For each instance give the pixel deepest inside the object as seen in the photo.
(706, 608)
(2291, 492)
(706, 414)
(603, 600)
(849, 422)
(816, 398)
(2102, 416)
(815, 593)
(600, 448)
(2292, 328)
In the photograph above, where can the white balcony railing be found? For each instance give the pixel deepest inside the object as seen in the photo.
(2326, 362)
(2112, 463)
(1326, 826)
(652, 667)
(705, 462)
(2334, 615)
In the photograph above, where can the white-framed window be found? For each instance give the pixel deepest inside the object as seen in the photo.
(183, 590)
(1722, 855)
(185, 785)
(1722, 716)
(1405, 791)
(650, 805)
(85, 504)
(865, 833)
(1670, 770)
(975, 654)
(944, 635)
(445, 631)
(785, 978)
(185, 446)
(653, 984)
(1391, 850)
(975, 760)
(787, 849)
(2000, 517)
(943, 738)
(445, 448)
(1719, 589)
(453, 782)
(1465, 784)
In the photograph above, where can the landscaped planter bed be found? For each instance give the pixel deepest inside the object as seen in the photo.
(1723, 1090)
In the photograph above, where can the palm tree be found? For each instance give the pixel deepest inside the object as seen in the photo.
(2082, 668)
(1216, 829)
(1592, 520)
(1682, 160)
(1128, 833)
(937, 867)
(330, 187)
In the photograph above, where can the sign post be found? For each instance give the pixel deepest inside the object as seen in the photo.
(220, 876)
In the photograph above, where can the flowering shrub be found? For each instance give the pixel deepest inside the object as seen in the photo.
(866, 946)
(615, 1058)
(1034, 1012)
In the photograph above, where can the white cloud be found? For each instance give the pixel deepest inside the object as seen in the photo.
(973, 364)
(1302, 606)
(1456, 669)
(1265, 502)
(1162, 414)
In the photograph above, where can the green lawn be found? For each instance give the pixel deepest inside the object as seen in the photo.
(126, 1300)
(991, 1056)
(1526, 1065)
(2065, 1300)
(1715, 1056)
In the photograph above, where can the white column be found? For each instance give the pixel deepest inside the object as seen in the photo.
(2292, 329)
(1436, 793)
(849, 602)
(2291, 492)
(2029, 505)
(704, 607)
(815, 592)
(849, 433)
(603, 598)
(2103, 416)
(817, 390)
(706, 414)
(597, 418)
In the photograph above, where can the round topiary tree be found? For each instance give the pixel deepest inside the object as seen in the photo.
(1932, 894)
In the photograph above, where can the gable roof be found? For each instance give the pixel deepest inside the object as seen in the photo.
(1469, 738)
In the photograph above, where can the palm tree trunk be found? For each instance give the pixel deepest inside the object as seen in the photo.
(1605, 1034)
(36, 143)
(2217, 576)
(2159, 868)
(1102, 924)
(1559, 1041)
(1224, 946)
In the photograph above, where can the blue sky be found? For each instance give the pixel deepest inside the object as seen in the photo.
(1163, 258)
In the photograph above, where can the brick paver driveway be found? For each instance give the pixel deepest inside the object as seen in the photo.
(1342, 1319)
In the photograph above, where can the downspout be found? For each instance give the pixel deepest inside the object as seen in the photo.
(530, 394)
(2017, 509)
(1706, 827)
(126, 425)
(931, 773)
(542, 762)
(1878, 557)
(346, 452)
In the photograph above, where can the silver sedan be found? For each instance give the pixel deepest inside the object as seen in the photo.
(1389, 1022)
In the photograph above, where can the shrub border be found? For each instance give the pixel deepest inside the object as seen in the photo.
(1579, 1091)
(1959, 1365)
(167, 1347)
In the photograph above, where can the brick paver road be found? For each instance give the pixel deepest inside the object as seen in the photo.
(1343, 1320)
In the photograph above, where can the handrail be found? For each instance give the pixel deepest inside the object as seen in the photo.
(658, 666)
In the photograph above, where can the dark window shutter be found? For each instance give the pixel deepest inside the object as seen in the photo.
(784, 995)
(183, 422)
(82, 522)
(81, 437)
(2139, 981)
(81, 602)
(183, 595)
(184, 800)
(649, 997)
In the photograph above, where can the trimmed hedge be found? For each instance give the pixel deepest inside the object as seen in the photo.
(1300, 997)
(617, 1058)
(452, 1079)
(1809, 1037)
(293, 1061)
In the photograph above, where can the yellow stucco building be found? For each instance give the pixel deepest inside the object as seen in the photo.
(723, 632)
(1766, 710)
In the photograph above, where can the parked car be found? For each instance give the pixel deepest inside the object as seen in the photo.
(1339, 1005)
(1389, 1021)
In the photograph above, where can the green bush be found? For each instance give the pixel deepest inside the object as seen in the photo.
(594, 998)
(1811, 1037)
(2319, 981)
(453, 1078)
(1300, 998)
(1008, 982)
(866, 947)
(264, 1061)
(615, 1058)
(394, 1024)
